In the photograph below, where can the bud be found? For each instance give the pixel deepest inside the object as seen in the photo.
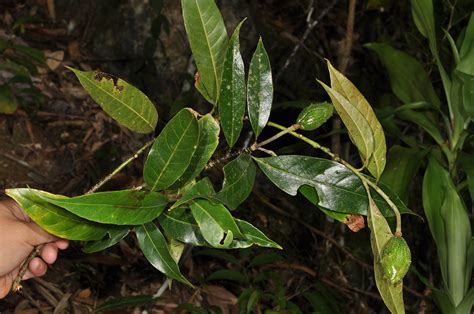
(396, 259)
(315, 115)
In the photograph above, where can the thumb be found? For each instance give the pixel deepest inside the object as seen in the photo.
(36, 235)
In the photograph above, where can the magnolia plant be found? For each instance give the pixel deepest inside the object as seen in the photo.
(178, 205)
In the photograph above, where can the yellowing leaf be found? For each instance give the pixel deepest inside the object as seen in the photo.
(374, 141)
(380, 233)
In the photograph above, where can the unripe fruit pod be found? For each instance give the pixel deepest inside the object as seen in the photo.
(315, 115)
(396, 259)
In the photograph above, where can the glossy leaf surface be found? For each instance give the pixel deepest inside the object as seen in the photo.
(172, 151)
(217, 225)
(180, 225)
(311, 195)
(155, 248)
(408, 79)
(207, 36)
(380, 234)
(57, 220)
(122, 101)
(233, 91)
(338, 188)
(207, 144)
(126, 207)
(113, 237)
(239, 176)
(372, 147)
(259, 89)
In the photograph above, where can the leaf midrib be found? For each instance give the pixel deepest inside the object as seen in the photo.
(173, 152)
(117, 99)
(214, 68)
(159, 253)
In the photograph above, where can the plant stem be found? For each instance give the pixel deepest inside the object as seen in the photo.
(284, 131)
(16, 286)
(398, 230)
(119, 168)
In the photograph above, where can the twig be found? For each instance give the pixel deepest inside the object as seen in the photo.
(16, 286)
(311, 24)
(33, 301)
(119, 168)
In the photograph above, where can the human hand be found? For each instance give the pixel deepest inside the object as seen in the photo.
(18, 236)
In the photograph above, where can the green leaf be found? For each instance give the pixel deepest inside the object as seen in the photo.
(208, 39)
(466, 305)
(200, 189)
(265, 258)
(259, 89)
(122, 302)
(126, 207)
(208, 141)
(122, 101)
(8, 104)
(248, 299)
(232, 96)
(172, 151)
(458, 241)
(338, 188)
(56, 220)
(180, 225)
(402, 166)
(450, 228)
(114, 236)
(466, 53)
(360, 120)
(228, 274)
(408, 79)
(424, 121)
(311, 195)
(255, 236)
(215, 222)
(392, 295)
(155, 248)
(423, 16)
(239, 176)
(220, 254)
(433, 197)
(467, 163)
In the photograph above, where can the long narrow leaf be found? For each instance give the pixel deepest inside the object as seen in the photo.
(259, 89)
(155, 248)
(233, 91)
(208, 39)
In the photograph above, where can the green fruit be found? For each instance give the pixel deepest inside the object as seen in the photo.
(396, 259)
(313, 116)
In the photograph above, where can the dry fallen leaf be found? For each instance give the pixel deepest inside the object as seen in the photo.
(54, 58)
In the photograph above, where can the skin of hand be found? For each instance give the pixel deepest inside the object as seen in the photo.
(18, 236)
